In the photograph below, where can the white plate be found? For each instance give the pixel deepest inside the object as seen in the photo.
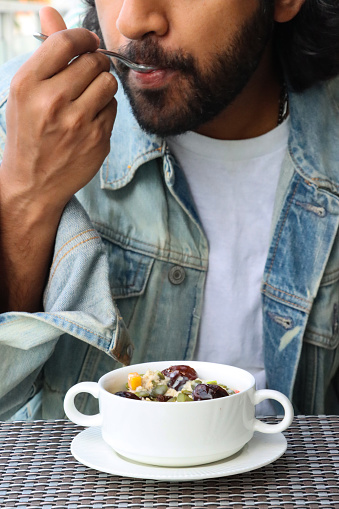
(89, 448)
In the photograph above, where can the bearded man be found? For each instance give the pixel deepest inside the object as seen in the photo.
(205, 221)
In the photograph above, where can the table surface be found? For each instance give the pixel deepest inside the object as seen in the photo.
(37, 470)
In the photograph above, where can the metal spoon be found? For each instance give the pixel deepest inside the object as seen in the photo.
(124, 60)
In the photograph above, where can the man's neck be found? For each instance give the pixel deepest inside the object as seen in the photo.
(254, 112)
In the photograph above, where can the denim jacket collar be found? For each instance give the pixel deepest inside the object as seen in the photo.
(306, 142)
(126, 157)
(313, 142)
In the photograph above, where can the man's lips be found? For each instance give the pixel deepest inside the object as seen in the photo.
(154, 79)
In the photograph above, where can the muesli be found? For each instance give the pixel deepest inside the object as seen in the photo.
(177, 383)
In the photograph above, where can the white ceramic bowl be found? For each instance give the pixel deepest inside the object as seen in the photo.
(173, 433)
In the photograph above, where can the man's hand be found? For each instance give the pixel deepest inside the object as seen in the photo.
(59, 120)
(59, 115)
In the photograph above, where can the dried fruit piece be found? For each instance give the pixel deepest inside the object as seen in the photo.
(184, 370)
(162, 398)
(208, 391)
(179, 375)
(134, 381)
(126, 394)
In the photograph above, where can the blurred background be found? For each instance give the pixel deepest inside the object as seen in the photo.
(19, 19)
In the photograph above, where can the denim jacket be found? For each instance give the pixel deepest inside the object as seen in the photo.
(127, 280)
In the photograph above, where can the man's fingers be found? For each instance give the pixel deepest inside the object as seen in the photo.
(80, 73)
(97, 95)
(106, 117)
(51, 21)
(58, 50)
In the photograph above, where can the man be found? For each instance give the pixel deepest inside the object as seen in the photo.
(211, 229)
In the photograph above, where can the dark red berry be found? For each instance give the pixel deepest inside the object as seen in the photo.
(162, 398)
(179, 375)
(208, 391)
(184, 370)
(126, 394)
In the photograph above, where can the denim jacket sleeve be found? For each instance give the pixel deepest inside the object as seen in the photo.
(77, 301)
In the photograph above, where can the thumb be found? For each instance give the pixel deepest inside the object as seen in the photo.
(51, 21)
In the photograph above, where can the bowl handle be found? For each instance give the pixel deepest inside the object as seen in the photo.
(72, 413)
(263, 427)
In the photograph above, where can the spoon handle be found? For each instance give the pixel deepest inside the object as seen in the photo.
(124, 60)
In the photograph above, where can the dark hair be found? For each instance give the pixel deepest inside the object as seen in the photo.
(308, 44)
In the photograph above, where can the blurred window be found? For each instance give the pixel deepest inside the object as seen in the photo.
(19, 19)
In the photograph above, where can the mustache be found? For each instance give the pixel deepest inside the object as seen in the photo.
(148, 52)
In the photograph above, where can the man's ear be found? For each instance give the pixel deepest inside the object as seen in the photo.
(285, 10)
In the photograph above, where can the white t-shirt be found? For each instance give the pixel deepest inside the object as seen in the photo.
(233, 184)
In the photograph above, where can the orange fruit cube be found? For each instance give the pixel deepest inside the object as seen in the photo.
(134, 381)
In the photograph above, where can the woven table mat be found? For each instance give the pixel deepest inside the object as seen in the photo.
(38, 471)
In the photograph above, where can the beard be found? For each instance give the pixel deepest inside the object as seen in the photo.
(198, 93)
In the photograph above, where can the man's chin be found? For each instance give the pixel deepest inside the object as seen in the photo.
(163, 127)
(162, 120)
(161, 112)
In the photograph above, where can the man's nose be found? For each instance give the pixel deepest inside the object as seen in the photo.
(140, 17)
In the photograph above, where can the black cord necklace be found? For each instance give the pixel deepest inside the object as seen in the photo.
(283, 104)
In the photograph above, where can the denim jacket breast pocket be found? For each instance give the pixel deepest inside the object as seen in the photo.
(129, 272)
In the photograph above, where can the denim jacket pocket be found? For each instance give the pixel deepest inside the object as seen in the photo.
(129, 270)
(129, 273)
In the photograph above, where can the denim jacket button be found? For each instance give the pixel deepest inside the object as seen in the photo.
(176, 275)
(129, 351)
